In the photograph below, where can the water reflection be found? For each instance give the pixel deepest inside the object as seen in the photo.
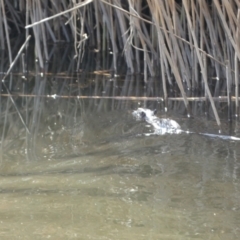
(92, 176)
(87, 171)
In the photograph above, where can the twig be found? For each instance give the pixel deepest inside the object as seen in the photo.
(133, 98)
(16, 58)
(59, 14)
(8, 91)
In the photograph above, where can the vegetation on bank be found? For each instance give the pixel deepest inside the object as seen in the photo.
(190, 42)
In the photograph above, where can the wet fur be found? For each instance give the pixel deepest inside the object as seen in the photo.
(166, 125)
(161, 125)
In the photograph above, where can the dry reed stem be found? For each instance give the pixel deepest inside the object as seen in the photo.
(134, 98)
(4, 18)
(229, 87)
(200, 62)
(236, 76)
(16, 58)
(7, 73)
(155, 9)
(177, 53)
(86, 2)
(2, 40)
(124, 32)
(182, 35)
(97, 17)
(226, 28)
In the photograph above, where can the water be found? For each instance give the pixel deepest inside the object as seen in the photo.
(87, 171)
(90, 173)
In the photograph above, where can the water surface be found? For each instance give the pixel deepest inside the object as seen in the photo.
(91, 173)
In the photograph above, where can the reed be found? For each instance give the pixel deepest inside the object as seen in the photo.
(176, 39)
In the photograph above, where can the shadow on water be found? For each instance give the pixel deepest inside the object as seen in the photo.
(88, 171)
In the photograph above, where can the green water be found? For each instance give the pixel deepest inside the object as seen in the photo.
(86, 172)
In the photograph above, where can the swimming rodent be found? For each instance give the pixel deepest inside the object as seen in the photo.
(166, 125)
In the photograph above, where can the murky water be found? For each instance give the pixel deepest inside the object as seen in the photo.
(92, 174)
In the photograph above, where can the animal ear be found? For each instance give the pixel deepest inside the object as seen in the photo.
(143, 114)
(155, 111)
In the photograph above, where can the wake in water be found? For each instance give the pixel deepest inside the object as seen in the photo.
(166, 125)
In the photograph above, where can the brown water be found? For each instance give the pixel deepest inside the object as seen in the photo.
(90, 175)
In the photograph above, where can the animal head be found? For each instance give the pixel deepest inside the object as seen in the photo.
(144, 113)
(161, 125)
